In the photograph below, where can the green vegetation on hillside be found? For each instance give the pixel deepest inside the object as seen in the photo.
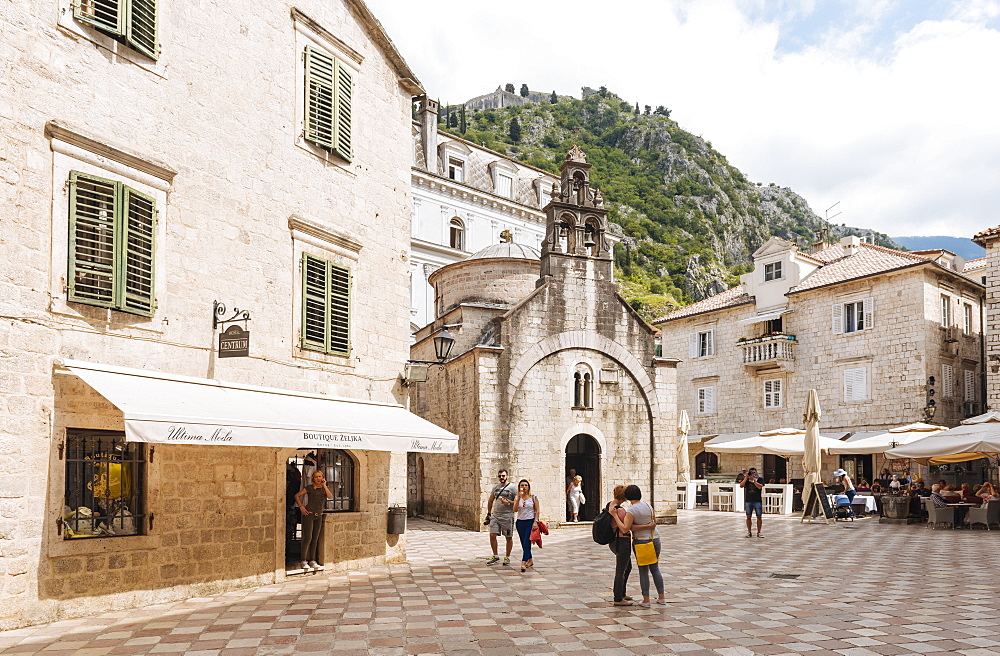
(690, 220)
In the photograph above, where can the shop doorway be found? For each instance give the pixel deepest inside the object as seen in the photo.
(858, 467)
(415, 485)
(339, 470)
(775, 469)
(705, 463)
(583, 454)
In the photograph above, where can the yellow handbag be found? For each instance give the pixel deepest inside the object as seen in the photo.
(645, 553)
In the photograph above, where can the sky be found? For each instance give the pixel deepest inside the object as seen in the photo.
(887, 107)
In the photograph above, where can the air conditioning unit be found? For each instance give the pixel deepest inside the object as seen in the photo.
(951, 334)
(971, 409)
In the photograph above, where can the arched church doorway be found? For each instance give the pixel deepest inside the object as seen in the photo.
(705, 462)
(583, 454)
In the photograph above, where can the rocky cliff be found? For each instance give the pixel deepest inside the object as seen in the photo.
(690, 219)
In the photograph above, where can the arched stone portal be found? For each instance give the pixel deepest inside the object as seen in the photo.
(583, 453)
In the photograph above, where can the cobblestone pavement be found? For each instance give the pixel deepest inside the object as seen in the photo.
(861, 588)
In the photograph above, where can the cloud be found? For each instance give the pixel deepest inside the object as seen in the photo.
(885, 106)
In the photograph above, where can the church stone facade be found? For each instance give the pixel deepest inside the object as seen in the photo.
(551, 370)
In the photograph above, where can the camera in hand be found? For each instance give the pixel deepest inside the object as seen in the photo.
(486, 522)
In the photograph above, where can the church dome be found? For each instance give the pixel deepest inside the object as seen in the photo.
(507, 250)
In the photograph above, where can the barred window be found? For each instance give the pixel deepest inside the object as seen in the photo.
(105, 485)
(338, 467)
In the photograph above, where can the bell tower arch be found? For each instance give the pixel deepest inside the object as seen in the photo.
(576, 223)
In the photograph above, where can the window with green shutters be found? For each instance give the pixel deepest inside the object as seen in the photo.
(111, 240)
(326, 306)
(133, 22)
(329, 97)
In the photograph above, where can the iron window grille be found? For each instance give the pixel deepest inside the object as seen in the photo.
(105, 484)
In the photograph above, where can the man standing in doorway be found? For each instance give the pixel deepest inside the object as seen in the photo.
(500, 516)
(752, 500)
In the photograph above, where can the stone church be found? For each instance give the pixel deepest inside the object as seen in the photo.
(551, 370)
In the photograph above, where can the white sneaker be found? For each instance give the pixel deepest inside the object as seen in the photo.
(315, 565)
(305, 565)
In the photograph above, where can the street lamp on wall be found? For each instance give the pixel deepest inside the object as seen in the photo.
(416, 370)
(443, 343)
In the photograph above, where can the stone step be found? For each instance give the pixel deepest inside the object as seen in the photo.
(586, 524)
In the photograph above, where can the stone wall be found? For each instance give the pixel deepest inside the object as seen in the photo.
(236, 210)
(504, 281)
(904, 347)
(992, 321)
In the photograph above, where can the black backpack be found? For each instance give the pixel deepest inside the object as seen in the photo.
(603, 529)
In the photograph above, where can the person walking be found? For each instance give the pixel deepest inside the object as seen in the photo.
(527, 511)
(845, 480)
(621, 547)
(316, 493)
(639, 519)
(753, 502)
(574, 496)
(500, 516)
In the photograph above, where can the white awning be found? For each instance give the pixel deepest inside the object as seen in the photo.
(168, 409)
(765, 316)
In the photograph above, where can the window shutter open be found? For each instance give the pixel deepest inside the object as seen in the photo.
(315, 305)
(94, 205)
(709, 400)
(340, 309)
(135, 264)
(693, 345)
(970, 385)
(947, 380)
(106, 15)
(869, 310)
(345, 112)
(838, 318)
(140, 31)
(321, 108)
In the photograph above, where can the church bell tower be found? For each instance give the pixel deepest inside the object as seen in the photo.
(576, 231)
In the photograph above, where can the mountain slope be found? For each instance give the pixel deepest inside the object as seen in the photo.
(690, 220)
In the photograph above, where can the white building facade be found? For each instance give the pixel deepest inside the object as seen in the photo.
(464, 198)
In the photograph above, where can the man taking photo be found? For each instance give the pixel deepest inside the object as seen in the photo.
(752, 499)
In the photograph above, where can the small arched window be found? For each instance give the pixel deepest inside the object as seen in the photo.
(583, 387)
(456, 234)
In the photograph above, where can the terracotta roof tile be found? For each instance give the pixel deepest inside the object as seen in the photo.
(729, 298)
(869, 260)
(989, 233)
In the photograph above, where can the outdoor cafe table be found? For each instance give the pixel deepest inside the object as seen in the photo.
(960, 509)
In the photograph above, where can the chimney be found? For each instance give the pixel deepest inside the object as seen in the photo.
(851, 244)
(427, 113)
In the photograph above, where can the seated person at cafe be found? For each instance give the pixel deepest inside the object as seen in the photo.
(968, 496)
(949, 492)
(936, 498)
(988, 493)
(922, 490)
(877, 488)
(863, 487)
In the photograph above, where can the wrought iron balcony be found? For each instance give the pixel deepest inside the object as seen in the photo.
(771, 350)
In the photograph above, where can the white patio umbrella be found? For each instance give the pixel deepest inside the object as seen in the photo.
(890, 439)
(811, 456)
(977, 437)
(683, 426)
(781, 442)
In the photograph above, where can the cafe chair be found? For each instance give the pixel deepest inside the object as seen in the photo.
(937, 516)
(988, 514)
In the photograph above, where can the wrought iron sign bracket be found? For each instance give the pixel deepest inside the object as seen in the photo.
(219, 311)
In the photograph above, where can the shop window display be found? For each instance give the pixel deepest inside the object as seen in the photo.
(104, 485)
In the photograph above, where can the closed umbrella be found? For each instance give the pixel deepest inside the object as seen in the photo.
(683, 426)
(811, 457)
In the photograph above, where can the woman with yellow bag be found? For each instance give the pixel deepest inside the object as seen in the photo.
(640, 521)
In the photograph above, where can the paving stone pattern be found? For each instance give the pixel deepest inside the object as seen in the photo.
(862, 589)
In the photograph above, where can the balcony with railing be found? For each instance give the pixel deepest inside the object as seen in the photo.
(768, 351)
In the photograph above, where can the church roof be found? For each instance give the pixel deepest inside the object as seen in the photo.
(507, 250)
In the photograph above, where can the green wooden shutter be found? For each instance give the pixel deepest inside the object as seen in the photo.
(340, 309)
(315, 303)
(135, 270)
(345, 111)
(320, 98)
(140, 31)
(94, 207)
(106, 15)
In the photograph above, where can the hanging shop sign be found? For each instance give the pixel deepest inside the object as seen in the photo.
(234, 343)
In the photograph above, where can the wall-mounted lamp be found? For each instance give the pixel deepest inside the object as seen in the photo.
(416, 370)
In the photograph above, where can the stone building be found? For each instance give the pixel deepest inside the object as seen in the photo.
(990, 240)
(464, 197)
(887, 338)
(551, 370)
(152, 164)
